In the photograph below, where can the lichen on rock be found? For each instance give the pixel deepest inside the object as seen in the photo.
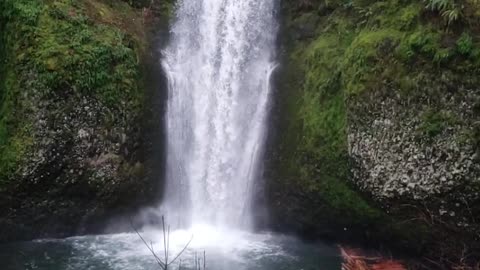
(72, 88)
(377, 121)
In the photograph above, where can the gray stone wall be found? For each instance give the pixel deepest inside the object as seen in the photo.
(418, 148)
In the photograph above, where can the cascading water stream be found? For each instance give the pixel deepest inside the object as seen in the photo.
(218, 62)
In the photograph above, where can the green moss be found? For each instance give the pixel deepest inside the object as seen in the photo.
(316, 127)
(409, 16)
(435, 122)
(393, 15)
(363, 58)
(98, 60)
(59, 47)
(362, 50)
(419, 42)
(323, 109)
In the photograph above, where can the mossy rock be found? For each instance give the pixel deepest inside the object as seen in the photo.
(72, 91)
(367, 59)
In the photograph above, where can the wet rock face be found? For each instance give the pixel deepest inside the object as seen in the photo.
(421, 150)
(75, 128)
(83, 164)
(410, 123)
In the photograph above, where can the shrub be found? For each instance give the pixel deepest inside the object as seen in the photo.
(465, 44)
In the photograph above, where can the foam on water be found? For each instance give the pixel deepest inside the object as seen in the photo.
(225, 249)
(218, 63)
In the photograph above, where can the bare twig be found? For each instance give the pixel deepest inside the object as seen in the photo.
(183, 250)
(150, 248)
(166, 244)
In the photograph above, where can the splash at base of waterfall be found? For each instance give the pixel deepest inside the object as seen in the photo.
(225, 250)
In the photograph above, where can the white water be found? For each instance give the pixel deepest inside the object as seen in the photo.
(224, 251)
(218, 62)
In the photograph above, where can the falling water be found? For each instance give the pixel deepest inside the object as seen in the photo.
(218, 62)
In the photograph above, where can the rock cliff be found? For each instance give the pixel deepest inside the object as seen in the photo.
(73, 101)
(376, 133)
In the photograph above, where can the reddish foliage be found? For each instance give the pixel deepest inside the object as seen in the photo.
(353, 260)
(391, 265)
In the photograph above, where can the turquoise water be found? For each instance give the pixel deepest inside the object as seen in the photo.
(224, 250)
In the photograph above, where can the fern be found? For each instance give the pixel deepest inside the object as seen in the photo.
(448, 9)
(439, 5)
(451, 15)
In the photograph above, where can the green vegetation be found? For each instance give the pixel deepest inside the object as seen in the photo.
(465, 45)
(435, 122)
(316, 112)
(364, 49)
(62, 48)
(449, 9)
(323, 114)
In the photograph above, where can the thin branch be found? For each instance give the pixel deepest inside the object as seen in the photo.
(150, 248)
(165, 243)
(183, 250)
(153, 251)
(168, 243)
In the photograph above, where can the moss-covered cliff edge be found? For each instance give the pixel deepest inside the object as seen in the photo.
(72, 92)
(377, 124)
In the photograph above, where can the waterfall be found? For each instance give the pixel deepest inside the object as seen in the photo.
(218, 62)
